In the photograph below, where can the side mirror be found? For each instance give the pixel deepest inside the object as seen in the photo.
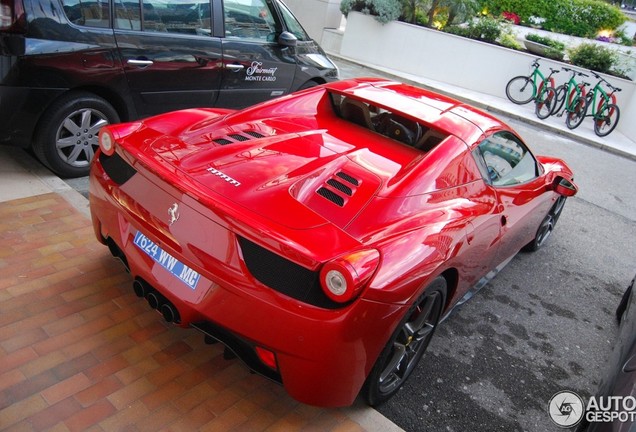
(287, 39)
(565, 187)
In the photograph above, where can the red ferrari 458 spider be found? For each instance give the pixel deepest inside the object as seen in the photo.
(322, 236)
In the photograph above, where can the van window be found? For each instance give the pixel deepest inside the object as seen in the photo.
(292, 24)
(251, 19)
(90, 13)
(191, 17)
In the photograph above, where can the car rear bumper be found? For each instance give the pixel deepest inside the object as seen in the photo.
(323, 355)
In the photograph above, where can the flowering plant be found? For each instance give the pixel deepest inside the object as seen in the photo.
(536, 21)
(512, 17)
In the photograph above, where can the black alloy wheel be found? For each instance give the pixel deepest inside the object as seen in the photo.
(407, 345)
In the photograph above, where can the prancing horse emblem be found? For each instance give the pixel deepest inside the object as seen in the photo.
(173, 212)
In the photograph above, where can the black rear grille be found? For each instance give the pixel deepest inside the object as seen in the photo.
(238, 137)
(348, 178)
(117, 168)
(284, 276)
(331, 196)
(223, 141)
(335, 189)
(340, 186)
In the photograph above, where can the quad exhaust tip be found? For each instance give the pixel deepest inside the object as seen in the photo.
(156, 301)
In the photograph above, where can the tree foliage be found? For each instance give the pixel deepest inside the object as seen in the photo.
(383, 10)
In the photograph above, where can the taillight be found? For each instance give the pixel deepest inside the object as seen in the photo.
(111, 134)
(12, 18)
(343, 278)
(106, 141)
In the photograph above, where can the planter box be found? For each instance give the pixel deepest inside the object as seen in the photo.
(543, 50)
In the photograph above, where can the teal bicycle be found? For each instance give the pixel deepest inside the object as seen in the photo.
(604, 110)
(524, 89)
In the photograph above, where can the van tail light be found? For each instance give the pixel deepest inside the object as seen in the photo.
(12, 17)
(344, 278)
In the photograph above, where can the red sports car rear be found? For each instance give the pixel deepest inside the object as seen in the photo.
(321, 236)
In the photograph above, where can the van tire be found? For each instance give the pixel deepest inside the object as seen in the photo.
(66, 137)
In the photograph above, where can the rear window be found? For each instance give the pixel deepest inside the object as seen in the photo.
(390, 124)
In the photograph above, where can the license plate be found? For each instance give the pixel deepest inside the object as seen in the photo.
(178, 269)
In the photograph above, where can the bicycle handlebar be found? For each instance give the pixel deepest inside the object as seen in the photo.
(605, 81)
(574, 72)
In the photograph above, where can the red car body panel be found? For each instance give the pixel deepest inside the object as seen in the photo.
(245, 185)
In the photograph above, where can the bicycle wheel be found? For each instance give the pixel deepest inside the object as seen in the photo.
(521, 90)
(576, 113)
(606, 120)
(544, 103)
(559, 99)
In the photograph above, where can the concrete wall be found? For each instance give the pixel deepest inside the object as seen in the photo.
(454, 60)
(316, 15)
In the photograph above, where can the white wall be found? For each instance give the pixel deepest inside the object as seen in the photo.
(454, 60)
(316, 15)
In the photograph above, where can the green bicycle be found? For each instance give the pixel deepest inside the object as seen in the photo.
(524, 89)
(573, 95)
(605, 112)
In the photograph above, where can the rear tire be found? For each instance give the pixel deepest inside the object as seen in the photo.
(521, 90)
(66, 139)
(560, 99)
(406, 346)
(575, 117)
(545, 103)
(607, 120)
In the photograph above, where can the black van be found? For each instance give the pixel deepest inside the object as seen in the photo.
(67, 67)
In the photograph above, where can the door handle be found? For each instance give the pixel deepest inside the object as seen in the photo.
(140, 63)
(235, 67)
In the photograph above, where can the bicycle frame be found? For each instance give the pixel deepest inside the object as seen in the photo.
(573, 91)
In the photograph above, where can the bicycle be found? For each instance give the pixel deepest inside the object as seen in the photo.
(572, 95)
(523, 89)
(605, 112)
(546, 100)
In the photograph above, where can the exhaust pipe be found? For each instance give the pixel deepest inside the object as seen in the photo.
(140, 289)
(154, 299)
(169, 312)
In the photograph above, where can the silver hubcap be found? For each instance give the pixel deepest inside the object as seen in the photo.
(76, 139)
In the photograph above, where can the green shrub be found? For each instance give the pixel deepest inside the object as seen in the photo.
(383, 10)
(509, 40)
(592, 56)
(485, 28)
(574, 17)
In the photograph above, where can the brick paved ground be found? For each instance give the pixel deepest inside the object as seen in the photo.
(79, 352)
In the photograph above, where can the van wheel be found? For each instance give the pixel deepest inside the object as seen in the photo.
(66, 138)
